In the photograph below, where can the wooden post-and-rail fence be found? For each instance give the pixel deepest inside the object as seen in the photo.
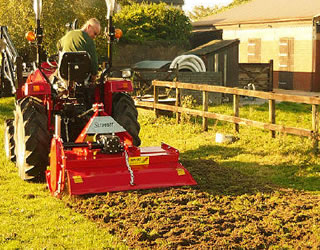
(235, 118)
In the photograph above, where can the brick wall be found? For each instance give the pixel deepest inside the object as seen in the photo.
(289, 45)
(271, 36)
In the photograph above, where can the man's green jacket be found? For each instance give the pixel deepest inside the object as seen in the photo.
(78, 40)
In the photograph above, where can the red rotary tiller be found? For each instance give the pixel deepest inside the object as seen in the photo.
(111, 162)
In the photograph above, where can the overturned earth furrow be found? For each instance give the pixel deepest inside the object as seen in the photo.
(191, 218)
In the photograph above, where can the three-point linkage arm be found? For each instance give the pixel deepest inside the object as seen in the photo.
(11, 64)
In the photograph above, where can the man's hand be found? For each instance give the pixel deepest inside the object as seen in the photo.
(93, 78)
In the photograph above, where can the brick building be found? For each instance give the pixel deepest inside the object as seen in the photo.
(285, 31)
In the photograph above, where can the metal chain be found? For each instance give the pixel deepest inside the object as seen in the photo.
(129, 169)
(66, 121)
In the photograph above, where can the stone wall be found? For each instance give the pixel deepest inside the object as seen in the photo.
(125, 55)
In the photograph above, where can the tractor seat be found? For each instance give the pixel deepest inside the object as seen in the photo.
(74, 66)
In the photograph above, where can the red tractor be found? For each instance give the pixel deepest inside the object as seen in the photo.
(81, 135)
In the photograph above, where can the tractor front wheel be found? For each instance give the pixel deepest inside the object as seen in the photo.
(125, 113)
(32, 139)
(9, 140)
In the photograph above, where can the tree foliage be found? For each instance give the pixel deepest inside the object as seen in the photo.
(199, 12)
(153, 22)
(149, 22)
(19, 17)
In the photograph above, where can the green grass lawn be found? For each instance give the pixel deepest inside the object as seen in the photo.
(31, 218)
(286, 161)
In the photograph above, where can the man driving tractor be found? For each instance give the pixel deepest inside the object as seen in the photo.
(82, 40)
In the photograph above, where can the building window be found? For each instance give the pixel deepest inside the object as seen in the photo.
(286, 54)
(254, 50)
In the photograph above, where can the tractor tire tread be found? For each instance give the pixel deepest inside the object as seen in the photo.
(126, 114)
(36, 138)
(9, 140)
(124, 103)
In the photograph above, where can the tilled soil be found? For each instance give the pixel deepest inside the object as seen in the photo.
(191, 218)
(227, 209)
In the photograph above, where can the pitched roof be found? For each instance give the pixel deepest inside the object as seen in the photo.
(212, 46)
(151, 65)
(258, 11)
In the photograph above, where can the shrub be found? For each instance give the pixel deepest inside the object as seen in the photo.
(153, 22)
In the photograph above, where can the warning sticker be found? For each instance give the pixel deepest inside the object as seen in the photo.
(77, 179)
(180, 171)
(136, 161)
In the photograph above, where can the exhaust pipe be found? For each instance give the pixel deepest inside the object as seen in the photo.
(57, 126)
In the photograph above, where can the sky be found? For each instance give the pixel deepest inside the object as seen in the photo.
(189, 4)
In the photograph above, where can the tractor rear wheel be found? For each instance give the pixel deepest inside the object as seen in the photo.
(9, 140)
(125, 113)
(32, 139)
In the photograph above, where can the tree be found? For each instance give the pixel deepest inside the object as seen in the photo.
(19, 17)
(153, 22)
(199, 12)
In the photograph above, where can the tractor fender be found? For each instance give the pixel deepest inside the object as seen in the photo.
(36, 85)
(123, 85)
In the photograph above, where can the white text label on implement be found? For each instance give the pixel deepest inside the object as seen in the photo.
(104, 125)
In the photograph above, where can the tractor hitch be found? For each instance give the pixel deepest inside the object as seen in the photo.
(109, 144)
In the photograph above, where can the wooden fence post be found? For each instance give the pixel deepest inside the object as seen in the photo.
(178, 104)
(270, 87)
(205, 102)
(272, 116)
(315, 127)
(156, 100)
(236, 111)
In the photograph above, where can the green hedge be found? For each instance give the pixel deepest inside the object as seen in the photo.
(153, 22)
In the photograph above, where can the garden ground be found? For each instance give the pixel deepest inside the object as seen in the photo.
(257, 192)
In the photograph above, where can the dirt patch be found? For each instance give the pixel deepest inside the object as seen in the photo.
(190, 218)
(227, 209)
(215, 179)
